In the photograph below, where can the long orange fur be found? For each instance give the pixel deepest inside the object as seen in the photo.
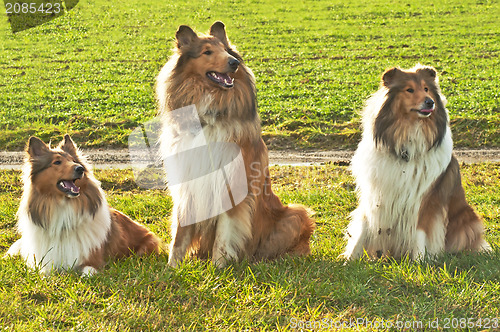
(230, 114)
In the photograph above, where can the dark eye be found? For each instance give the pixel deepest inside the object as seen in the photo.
(410, 90)
(207, 52)
(57, 162)
(426, 89)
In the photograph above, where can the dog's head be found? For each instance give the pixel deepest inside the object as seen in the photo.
(413, 109)
(56, 172)
(415, 91)
(211, 57)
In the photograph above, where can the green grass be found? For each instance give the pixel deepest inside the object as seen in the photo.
(144, 294)
(91, 72)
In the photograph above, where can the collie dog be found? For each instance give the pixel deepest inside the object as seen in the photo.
(208, 73)
(64, 219)
(411, 199)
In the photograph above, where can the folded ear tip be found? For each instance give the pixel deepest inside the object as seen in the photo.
(427, 69)
(391, 70)
(34, 140)
(433, 71)
(389, 74)
(183, 28)
(218, 24)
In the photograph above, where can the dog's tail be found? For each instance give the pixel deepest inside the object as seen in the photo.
(291, 233)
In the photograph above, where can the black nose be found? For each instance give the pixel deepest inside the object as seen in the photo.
(79, 170)
(429, 103)
(233, 63)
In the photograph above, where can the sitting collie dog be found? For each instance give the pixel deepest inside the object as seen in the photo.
(207, 72)
(64, 219)
(411, 199)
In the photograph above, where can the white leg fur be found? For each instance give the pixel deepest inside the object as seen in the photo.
(229, 240)
(420, 245)
(178, 246)
(356, 234)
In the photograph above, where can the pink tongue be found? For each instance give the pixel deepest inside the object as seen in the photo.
(224, 77)
(71, 185)
(221, 78)
(426, 111)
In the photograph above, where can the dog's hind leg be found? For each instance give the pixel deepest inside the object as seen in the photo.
(465, 231)
(464, 228)
(291, 234)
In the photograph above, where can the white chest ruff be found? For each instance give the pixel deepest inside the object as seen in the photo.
(67, 241)
(391, 191)
(200, 164)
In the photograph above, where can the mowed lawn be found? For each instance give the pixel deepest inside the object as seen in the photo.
(91, 73)
(144, 294)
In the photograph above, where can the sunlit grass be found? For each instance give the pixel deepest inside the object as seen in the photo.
(145, 294)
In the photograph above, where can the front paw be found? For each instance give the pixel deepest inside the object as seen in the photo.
(174, 260)
(14, 250)
(88, 271)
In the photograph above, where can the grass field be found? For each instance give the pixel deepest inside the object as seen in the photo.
(143, 294)
(91, 73)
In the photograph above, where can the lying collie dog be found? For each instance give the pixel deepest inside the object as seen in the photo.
(411, 200)
(64, 219)
(208, 73)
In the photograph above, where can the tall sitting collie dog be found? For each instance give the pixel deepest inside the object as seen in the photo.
(64, 219)
(207, 72)
(411, 200)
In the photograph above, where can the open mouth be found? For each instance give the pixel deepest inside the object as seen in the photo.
(222, 79)
(69, 188)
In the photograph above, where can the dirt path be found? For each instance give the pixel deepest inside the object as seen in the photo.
(120, 158)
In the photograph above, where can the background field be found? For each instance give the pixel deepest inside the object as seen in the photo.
(91, 73)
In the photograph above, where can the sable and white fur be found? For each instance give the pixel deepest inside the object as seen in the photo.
(64, 219)
(411, 200)
(206, 71)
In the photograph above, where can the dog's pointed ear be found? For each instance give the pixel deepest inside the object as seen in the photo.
(389, 76)
(185, 36)
(68, 145)
(218, 30)
(36, 147)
